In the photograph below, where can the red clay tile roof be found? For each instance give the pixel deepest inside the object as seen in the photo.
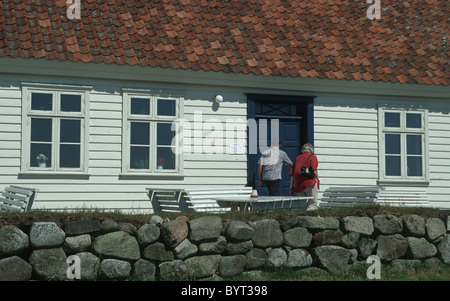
(331, 39)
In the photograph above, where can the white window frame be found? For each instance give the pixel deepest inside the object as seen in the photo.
(403, 131)
(55, 115)
(153, 118)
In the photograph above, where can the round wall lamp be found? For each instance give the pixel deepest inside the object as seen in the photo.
(218, 98)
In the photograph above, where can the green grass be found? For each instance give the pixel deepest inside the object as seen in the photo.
(356, 272)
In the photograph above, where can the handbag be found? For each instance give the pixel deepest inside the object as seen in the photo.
(307, 171)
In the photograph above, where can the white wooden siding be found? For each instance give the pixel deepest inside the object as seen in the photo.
(106, 188)
(346, 143)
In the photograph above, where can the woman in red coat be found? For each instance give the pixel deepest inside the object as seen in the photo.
(302, 185)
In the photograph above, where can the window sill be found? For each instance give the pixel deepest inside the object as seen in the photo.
(151, 176)
(35, 174)
(402, 182)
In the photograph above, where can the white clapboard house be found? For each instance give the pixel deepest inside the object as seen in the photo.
(120, 96)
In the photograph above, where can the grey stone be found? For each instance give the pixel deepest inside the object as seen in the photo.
(85, 226)
(202, 266)
(256, 258)
(317, 223)
(156, 219)
(353, 256)
(334, 259)
(117, 245)
(237, 230)
(391, 247)
(143, 270)
(174, 232)
(157, 251)
(109, 225)
(366, 246)
(12, 241)
(241, 247)
(267, 233)
(205, 227)
(405, 263)
(387, 224)
(90, 266)
(448, 223)
(76, 244)
(185, 249)
(350, 240)
(232, 265)
(420, 248)
(114, 269)
(213, 247)
(299, 258)
(175, 269)
(414, 225)
(328, 237)
(49, 264)
(128, 227)
(444, 249)
(361, 225)
(435, 229)
(433, 263)
(14, 269)
(276, 258)
(147, 234)
(46, 235)
(297, 237)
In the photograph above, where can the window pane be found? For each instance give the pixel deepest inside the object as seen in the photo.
(165, 158)
(414, 120)
(69, 156)
(41, 102)
(166, 107)
(165, 134)
(392, 144)
(70, 103)
(70, 131)
(392, 119)
(140, 133)
(140, 106)
(41, 129)
(414, 144)
(36, 150)
(393, 166)
(414, 166)
(139, 157)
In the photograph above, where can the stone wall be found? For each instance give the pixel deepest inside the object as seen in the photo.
(207, 246)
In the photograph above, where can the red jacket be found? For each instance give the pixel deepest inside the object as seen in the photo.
(302, 182)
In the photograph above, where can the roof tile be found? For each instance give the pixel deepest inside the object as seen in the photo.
(322, 39)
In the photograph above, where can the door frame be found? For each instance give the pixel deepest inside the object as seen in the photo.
(306, 117)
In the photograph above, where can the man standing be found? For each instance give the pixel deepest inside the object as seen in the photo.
(270, 165)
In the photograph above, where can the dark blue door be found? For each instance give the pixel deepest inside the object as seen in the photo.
(289, 133)
(295, 116)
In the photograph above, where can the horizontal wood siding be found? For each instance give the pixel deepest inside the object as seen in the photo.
(345, 133)
(105, 188)
(346, 142)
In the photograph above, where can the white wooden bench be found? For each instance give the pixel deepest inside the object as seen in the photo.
(380, 195)
(349, 196)
(205, 199)
(17, 198)
(194, 199)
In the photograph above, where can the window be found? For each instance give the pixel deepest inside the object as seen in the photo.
(148, 139)
(54, 128)
(403, 151)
